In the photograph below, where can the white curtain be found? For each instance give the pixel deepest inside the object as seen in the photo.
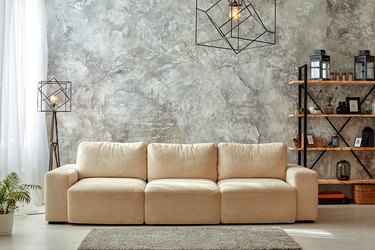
(23, 62)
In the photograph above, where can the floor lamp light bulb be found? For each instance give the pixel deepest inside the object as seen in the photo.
(54, 99)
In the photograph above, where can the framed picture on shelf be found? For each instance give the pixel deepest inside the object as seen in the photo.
(310, 140)
(357, 142)
(353, 105)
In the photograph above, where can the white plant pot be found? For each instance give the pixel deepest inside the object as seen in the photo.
(6, 223)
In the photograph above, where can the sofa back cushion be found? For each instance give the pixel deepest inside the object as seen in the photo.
(252, 160)
(111, 159)
(182, 161)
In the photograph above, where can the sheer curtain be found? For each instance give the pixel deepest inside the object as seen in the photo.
(23, 62)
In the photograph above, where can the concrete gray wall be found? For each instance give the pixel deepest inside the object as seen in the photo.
(138, 75)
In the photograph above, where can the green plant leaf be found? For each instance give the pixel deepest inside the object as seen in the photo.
(328, 96)
(11, 192)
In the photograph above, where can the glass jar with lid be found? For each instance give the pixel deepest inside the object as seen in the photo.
(335, 140)
(343, 170)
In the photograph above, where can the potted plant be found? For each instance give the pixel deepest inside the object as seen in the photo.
(11, 192)
(328, 96)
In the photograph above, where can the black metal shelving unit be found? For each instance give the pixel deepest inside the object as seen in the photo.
(303, 95)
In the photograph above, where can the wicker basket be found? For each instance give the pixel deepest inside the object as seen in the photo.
(319, 141)
(363, 194)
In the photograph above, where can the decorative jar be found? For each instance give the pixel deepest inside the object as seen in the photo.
(329, 109)
(343, 170)
(335, 140)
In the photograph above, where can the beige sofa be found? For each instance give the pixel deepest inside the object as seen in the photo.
(135, 183)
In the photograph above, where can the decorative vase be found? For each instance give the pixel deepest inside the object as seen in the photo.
(329, 109)
(343, 170)
(341, 109)
(6, 223)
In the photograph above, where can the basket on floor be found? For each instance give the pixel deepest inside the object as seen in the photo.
(363, 194)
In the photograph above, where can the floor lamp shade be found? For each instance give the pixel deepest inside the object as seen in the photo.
(54, 96)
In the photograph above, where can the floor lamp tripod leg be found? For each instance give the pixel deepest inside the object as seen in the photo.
(54, 157)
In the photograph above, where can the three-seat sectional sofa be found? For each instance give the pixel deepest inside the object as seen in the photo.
(136, 183)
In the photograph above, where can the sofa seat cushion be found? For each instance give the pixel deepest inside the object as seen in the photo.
(257, 201)
(112, 159)
(182, 161)
(182, 201)
(107, 201)
(268, 160)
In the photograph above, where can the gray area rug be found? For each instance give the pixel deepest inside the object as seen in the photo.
(188, 237)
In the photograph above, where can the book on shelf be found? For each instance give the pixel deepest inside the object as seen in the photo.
(326, 201)
(331, 195)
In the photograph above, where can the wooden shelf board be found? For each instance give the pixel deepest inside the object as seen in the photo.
(334, 82)
(333, 115)
(333, 149)
(353, 181)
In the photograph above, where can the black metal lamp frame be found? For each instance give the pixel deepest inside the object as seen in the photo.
(54, 96)
(233, 34)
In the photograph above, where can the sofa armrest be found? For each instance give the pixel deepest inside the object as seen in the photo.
(57, 183)
(305, 182)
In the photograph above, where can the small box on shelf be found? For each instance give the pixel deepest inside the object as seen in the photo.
(332, 197)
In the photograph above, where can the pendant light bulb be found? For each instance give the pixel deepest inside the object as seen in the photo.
(234, 13)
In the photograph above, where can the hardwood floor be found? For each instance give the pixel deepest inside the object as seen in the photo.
(338, 227)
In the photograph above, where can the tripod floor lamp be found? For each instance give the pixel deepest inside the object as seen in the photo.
(54, 96)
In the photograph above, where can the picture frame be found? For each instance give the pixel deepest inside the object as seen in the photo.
(353, 105)
(310, 140)
(357, 142)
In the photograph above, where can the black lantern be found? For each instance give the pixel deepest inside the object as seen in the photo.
(367, 137)
(364, 66)
(320, 65)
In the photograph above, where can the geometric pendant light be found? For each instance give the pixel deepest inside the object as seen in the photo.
(235, 25)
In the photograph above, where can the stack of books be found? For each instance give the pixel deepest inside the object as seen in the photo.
(332, 197)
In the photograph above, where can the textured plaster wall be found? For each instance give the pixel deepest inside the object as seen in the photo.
(138, 76)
